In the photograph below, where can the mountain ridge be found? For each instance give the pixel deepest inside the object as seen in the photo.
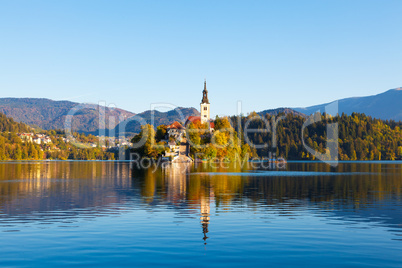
(385, 105)
(133, 124)
(281, 110)
(50, 114)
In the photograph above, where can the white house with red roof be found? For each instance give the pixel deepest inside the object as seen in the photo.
(175, 130)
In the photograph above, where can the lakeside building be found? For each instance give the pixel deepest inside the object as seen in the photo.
(205, 111)
(177, 130)
(34, 138)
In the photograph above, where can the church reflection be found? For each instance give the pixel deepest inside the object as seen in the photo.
(177, 175)
(191, 187)
(88, 188)
(205, 211)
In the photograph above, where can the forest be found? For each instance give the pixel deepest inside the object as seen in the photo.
(360, 137)
(12, 147)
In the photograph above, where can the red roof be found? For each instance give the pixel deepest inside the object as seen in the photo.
(193, 119)
(175, 125)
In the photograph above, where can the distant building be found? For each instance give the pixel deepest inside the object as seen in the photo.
(173, 149)
(175, 130)
(204, 111)
(35, 138)
(46, 140)
(26, 137)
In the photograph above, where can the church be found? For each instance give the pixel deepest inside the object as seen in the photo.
(177, 130)
(204, 111)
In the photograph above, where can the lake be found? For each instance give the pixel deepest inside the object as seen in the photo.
(106, 214)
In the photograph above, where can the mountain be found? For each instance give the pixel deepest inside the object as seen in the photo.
(386, 106)
(49, 114)
(281, 111)
(133, 124)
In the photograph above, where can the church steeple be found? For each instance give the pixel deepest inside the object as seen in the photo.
(205, 212)
(205, 93)
(204, 107)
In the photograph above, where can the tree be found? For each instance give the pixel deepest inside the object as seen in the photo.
(17, 155)
(144, 142)
(160, 132)
(24, 154)
(32, 152)
(40, 154)
(2, 151)
(222, 123)
(245, 151)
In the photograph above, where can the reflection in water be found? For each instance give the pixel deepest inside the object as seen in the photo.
(66, 186)
(67, 193)
(205, 210)
(93, 186)
(350, 191)
(176, 175)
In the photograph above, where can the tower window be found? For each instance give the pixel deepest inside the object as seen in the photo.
(205, 108)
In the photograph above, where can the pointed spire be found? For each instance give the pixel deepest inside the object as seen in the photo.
(205, 93)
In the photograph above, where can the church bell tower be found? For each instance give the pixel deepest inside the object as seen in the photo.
(205, 105)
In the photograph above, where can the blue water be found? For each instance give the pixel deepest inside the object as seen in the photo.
(105, 214)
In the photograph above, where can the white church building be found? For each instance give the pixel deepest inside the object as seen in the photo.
(205, 111)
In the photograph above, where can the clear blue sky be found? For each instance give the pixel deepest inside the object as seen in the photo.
(267, 54)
